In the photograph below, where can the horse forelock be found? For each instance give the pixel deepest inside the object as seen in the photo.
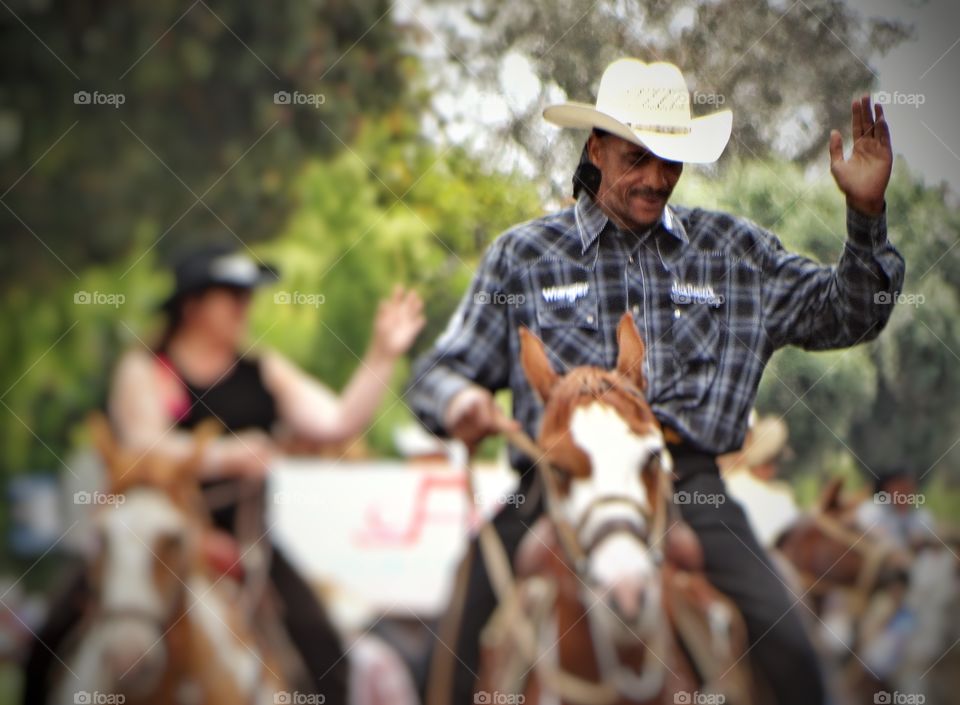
(580, 387)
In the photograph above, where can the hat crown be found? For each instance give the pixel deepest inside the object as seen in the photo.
(645, 96)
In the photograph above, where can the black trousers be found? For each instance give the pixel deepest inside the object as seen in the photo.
(303, 618)
(736, 565)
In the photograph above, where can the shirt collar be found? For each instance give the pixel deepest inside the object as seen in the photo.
(591, 221)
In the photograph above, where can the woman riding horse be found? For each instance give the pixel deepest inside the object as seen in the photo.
(202, 369)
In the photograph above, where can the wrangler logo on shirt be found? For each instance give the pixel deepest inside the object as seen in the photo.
(682, 293)
(566, 294)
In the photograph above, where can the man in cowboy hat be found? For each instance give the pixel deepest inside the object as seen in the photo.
(750, 476)
(713, 296)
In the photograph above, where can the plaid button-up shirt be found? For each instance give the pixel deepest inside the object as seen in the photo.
(713, 297)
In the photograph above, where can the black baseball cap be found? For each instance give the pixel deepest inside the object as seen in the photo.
(207, 266)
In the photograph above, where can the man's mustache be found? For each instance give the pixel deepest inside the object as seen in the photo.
(661, 194)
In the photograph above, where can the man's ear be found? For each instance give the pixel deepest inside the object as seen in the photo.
(536, 364)
(632, 350)
(594, 145)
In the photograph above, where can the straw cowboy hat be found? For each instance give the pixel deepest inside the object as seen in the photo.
(766, 442)
(649, 105)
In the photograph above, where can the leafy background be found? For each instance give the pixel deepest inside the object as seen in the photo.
(409, 168)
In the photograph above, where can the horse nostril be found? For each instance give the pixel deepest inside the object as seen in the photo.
(628, 597)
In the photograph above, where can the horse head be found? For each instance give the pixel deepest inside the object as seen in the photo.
(831, 550)
(608, 452)
(148, 546)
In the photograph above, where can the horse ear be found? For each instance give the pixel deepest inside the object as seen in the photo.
(632, 350)
(104, 441)
(830, 498)
(536, 365)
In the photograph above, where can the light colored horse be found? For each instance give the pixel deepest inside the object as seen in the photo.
(597, 615)
(162, 628)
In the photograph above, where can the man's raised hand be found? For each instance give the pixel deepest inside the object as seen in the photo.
(863, 177)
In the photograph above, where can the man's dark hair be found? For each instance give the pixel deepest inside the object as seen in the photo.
(587, 175)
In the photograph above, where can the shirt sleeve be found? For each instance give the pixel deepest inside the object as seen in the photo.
(820, 307)
(472, 349)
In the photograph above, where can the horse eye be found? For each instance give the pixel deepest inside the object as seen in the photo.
(170, 543)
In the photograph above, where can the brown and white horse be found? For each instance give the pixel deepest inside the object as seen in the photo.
(162, 627)
(609, 605)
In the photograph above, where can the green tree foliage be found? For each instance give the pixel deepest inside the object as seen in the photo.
(198, 118)
(789, 68)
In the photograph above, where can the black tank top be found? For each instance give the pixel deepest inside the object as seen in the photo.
(241, 402)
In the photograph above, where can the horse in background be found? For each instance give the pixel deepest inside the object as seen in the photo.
(163, 627)
(610, 604)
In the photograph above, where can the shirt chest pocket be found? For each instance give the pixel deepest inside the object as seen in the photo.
(566, 296)
(697, 335)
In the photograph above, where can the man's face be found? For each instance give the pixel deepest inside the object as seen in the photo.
(636, 184)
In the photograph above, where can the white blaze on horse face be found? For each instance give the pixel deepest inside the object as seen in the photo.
(617, 456)
(129, 597)
(132, 531)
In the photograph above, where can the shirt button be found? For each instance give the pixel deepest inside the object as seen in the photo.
(590, 319)
(676, 313)
(636, 309)
(630, 259)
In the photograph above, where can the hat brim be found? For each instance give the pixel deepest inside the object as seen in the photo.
(704, 143)
(267, 274)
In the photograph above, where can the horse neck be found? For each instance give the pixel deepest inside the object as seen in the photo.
(212, 653)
